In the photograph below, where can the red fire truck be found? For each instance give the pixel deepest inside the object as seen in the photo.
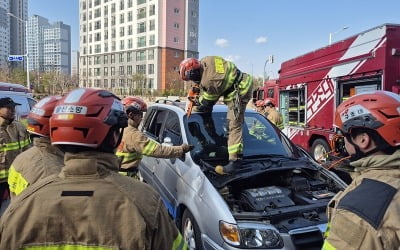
(311, 86)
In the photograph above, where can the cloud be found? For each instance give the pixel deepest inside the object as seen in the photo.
(261, 39)
(221, 42)
(233, 58)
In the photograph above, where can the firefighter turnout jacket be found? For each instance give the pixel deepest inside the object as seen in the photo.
(367, 214)
(275, 117)
(39, 161)
(88, 206)
(134, 144)
(14, 139)
(222, 78)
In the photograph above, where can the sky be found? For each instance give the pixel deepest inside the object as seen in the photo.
(248, 32)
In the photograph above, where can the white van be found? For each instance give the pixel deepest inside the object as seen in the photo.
(20, 94)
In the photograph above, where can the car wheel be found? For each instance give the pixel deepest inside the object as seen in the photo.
(191, 232)
(319, 149)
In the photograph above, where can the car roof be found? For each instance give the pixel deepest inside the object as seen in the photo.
(179, 107)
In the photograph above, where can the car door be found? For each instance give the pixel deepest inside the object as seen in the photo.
(168, 171)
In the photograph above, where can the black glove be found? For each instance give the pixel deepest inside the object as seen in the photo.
(203, 109)
(186, 148)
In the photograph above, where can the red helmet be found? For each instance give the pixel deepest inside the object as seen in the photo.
(260, 103)
(269, 101)
(378, 110)
(85, 116)
(39, 116)
(135, 104)
(187, 67)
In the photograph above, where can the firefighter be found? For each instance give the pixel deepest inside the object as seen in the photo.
(218, 77)
(41, 160)
(134, 143)
(14, 139)
(260, 108)
(366, 214)
(88, 205)
(273, 115)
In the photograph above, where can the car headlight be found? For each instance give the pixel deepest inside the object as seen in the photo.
(250, 236)
(261, 238)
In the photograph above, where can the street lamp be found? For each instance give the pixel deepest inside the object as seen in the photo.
(28, 84)
(334, 33)
(270, 59)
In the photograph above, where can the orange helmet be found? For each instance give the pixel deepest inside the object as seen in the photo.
(135, 104)
(85, 116)
(189, 69)
(39, 116)
(260, 103)
(378, 110)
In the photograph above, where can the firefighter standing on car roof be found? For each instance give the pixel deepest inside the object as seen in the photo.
(134, 143)
(14, 139)
(273, 115)
(366, 215)
(41, 160)
(218, 77)
(88, 205)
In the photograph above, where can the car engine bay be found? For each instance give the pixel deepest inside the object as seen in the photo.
(287, 199)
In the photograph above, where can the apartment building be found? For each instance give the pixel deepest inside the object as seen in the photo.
(12, 30)
(131, 44)
(49, 45)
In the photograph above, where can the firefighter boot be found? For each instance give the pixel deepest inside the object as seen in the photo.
(227, 169)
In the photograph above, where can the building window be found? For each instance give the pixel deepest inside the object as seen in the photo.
(151, 83)
(176, 54)
(112, 71)
(121, 70)
(140, 1)
(112, 58)
(152, 39)
(141, 13)
(152, 24)
(141, 41)
(176, 25)
(151, 68)
(130, 3)
(130, 30)
(105, 71)
(121, 44)
(129, 70)
(150, 54)
(130, 44)
(121, 18)
(121, 31)
(105, 83)
(141, 55)
(130, 16)
(176, 10)
(129, 56)
(141, 69)
(176, 40)
(141, 27)
(152, 10)
(121, 57)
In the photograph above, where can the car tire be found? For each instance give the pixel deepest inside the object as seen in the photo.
(319, 148)
(190, 231)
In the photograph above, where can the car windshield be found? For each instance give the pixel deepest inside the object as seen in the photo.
(208, 133)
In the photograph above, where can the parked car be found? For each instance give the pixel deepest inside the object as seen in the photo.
(20, 94)
(276, 200)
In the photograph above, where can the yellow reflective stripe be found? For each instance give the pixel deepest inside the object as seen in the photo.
(244, 86)
(230, 76)
(236, 148)
(126, 157)
(328, 228)
(328, 246)
(208, 97)
(68, 247)
(16, 181)
(150, 147)
(3, 173)
(179, 243)
(14, 145)
(219, 65)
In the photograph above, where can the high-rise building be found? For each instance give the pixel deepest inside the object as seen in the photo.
(12, 30)
(132, 44)
(49, 46)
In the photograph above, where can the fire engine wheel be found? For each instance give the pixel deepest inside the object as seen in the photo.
(191, 232)
(319, 149)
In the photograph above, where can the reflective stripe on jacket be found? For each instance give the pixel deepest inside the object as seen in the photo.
(218, 77)
(39, 161)
(134, 144)
(14, 139)
(88, 206)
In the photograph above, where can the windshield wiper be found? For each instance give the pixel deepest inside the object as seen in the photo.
(269, 156)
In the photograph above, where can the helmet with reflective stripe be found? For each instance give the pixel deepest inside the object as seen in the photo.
(85, 116)
(187, 69)
(378, 110)
(134, 104)
(39, 116)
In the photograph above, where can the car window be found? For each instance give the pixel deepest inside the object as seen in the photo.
(23, 109)
(154, 123)
(208, 134)
(172, 129)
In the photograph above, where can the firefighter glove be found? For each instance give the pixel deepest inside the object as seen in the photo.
(186, 148)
